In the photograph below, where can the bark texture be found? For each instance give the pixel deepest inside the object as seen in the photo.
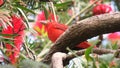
(83, 30)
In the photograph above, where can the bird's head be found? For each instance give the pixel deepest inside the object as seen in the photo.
(48, 23)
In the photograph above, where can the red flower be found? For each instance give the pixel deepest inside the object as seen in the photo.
(114, 36)
(1, 2)
(38, 26)
(17, 29)
(41, 16)
(101, 9)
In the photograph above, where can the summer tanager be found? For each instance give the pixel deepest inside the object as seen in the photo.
(54, 30)
(41, 17)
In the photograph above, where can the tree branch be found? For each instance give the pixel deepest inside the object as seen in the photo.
(59, 60)
(98, 51)
(85, 29)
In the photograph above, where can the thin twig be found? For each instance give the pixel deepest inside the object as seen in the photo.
(43, 51)
(100, 38)
(29, 52)
(98, 51)
(86, 8)
(53, 9)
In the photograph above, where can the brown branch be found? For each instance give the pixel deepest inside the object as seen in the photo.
(100, 38)
(98, 51)
(84, 30)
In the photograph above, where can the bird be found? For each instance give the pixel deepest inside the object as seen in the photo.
(55, 29)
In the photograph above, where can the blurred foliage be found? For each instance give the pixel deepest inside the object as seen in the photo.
(36, 46)
(7, 66)
(32, 64)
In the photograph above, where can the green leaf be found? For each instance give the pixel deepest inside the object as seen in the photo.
(8, 35)
(63, 16)
(63, 5)
(88, 52)
(115, 46)
(103, 65)
(45, 11)
(32, 64)
(7, 66)
(24, 8)
(26, 23)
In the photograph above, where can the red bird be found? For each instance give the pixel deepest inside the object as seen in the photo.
(54, 30)
(40, 28)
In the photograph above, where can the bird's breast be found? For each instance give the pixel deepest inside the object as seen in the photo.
(53, 34)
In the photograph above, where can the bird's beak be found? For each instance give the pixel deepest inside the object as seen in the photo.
(44, 22)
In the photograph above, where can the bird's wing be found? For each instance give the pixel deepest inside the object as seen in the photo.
(61, 27)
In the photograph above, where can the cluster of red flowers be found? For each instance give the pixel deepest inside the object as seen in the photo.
(101, 9)
(1, 2)
(16, 29)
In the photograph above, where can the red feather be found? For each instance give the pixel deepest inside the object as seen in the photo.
(54, 30)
